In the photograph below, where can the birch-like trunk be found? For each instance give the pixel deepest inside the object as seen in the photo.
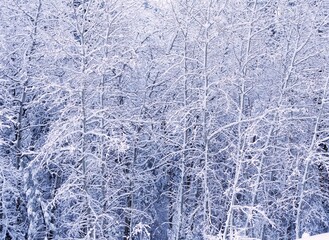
(308, 161)
(229, 224)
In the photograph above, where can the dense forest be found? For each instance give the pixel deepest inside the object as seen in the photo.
(164, 119)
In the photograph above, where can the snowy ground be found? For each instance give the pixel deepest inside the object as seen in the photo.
(323, 236)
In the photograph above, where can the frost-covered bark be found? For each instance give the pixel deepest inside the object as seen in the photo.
(26, 116)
